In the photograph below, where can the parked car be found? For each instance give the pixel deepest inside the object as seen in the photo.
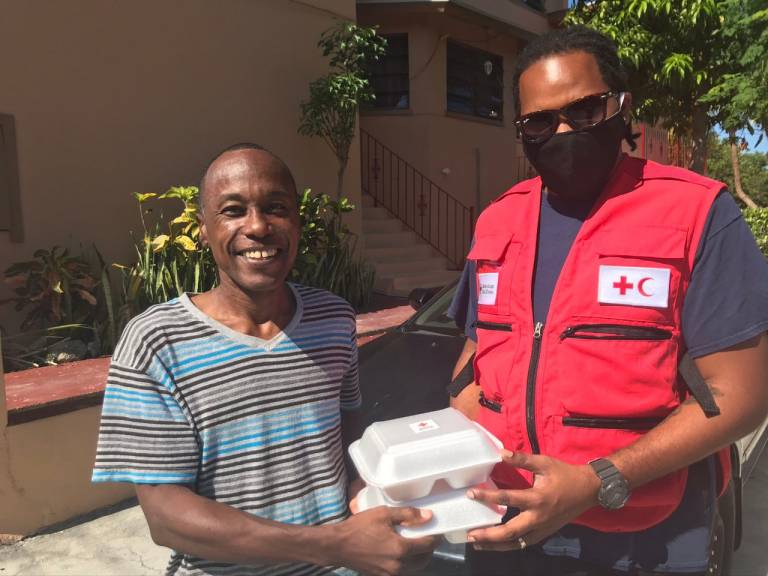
(406, 372)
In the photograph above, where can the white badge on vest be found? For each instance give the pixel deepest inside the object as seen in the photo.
(488, 286)
(634, 286)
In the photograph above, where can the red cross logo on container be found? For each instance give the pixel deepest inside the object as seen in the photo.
(424, 426)
(633, 286)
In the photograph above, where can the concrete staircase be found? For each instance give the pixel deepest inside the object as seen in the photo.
(403, 261)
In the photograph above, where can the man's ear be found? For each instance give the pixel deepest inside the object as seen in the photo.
(203, 230)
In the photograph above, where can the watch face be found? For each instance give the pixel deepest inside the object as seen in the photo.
(614, 494)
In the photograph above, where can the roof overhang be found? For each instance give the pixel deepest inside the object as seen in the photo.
(524, 20)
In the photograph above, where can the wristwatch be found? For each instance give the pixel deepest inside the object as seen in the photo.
(614, 488)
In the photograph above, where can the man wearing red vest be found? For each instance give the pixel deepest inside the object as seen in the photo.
(584, 289)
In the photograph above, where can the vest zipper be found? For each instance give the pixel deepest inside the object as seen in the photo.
(530, 404)
(493, 326)
(615, 332)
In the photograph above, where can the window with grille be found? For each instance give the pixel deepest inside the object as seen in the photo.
(475, 82)
(389, 75)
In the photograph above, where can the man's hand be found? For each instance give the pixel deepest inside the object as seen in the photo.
(368, 542)
(560, 493)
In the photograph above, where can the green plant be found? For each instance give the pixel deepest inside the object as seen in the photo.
(331, 110)
(54, 288)
(753, 169)
(36, 348)
(171, 260)
(691, 63)
(326, 256)
(757, 218)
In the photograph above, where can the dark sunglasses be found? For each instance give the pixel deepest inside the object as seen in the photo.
(586, 112)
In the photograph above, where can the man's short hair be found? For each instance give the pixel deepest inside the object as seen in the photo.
(234, 148)
(575, 39)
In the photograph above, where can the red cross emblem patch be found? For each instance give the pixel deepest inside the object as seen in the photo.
(634, 286)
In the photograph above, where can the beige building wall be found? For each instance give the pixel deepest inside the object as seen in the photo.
(45, 472)
(112, 98)
(473, 159)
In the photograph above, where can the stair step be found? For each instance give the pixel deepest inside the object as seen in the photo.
(379, 213)
(397, 253)
(380, 226)
(409, 265)
(385, 239)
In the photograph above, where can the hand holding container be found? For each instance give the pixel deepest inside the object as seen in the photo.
(403, 458)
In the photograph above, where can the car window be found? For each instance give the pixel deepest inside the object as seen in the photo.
(434, 316)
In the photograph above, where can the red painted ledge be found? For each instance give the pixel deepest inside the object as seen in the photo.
(53, 390)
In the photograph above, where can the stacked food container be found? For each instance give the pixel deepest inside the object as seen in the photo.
(429, 461)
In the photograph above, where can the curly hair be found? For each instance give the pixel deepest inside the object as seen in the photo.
(576, 39)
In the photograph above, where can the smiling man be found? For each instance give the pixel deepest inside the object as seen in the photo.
(227, 409)
(584, 290)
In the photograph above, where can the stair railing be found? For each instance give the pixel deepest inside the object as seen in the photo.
(422, 206)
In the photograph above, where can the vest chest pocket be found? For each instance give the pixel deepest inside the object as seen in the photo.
(641, 273)
(495, 257)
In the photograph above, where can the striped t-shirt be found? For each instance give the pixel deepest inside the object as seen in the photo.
(251, 423)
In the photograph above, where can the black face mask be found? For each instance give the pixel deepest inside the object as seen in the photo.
(576, 165)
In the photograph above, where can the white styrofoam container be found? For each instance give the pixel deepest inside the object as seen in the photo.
(453, 514)
(404, 457)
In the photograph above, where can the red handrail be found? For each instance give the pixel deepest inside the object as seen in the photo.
(422, 206)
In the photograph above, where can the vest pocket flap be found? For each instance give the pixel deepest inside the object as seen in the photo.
(644, 242)
(490, 247)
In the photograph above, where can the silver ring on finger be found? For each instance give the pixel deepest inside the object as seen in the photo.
(522, 543)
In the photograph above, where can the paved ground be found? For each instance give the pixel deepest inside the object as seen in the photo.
(118, 544)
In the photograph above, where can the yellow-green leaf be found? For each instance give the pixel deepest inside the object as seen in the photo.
(144, 197)
(186, 242)
(159, 242)
(181, 219)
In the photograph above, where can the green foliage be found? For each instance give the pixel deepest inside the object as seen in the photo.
(54, 288)
(326, 255)
(170, 258)
(757, 218)
(331, 110)
(671, 49)
(754, 169)
(32, 349)
(692, 63)
(739, 97)
(69, 310)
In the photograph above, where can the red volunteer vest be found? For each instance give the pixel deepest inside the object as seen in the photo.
(602, 369)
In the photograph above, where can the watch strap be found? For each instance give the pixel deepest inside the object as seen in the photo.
(604, 468)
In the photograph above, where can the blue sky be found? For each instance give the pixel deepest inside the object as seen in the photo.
(751, 140)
